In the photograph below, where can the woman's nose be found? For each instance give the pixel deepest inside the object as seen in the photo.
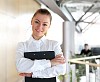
(40, 26)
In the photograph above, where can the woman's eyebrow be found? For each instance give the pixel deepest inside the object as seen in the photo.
(40, 21)
(37, 20)
(45, 22)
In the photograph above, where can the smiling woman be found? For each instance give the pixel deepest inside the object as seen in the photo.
(40, 22)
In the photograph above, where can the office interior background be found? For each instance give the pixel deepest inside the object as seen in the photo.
(15, 26)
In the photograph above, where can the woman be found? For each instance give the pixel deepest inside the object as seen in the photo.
(40, 22)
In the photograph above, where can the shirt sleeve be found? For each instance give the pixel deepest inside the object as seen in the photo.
(52, 71)
(26, 65)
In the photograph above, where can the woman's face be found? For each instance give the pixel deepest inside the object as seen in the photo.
(40, 24)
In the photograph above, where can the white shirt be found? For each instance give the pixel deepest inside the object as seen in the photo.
(39, 68)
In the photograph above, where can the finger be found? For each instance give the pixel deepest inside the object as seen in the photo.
(22, 74)
(58, 55)
(60, 60)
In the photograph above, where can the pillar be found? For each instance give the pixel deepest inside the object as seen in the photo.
(68, 44)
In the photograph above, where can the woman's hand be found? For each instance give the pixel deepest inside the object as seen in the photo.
(26, 74)
(58, 60)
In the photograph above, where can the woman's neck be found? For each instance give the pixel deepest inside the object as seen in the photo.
(36, 38)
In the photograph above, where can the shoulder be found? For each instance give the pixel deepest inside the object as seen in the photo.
(22, 44)
(53, 42)
(83, 50)
(26, 42)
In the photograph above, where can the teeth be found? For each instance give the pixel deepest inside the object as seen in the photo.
(38, 30)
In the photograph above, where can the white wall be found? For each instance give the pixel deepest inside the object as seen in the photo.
(11, 32)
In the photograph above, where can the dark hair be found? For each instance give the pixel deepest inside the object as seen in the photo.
(44, 12)
(85, 44)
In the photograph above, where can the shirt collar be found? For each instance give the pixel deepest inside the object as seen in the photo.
(40, 40)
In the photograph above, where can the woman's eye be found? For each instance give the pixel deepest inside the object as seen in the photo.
(36, 22)
(44, 24)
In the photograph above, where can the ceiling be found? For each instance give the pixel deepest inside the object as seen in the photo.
(75, 5)
(86, 6)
